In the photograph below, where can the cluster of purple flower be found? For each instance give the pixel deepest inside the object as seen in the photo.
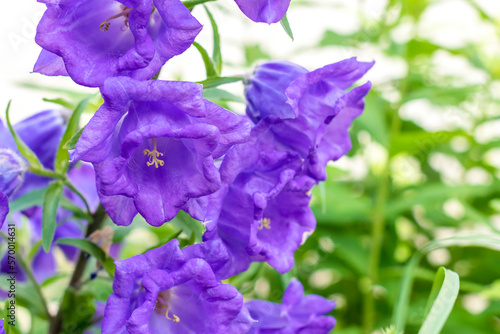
(158, 147)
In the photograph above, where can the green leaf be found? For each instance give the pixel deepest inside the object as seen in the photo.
(78, 309)
(216, 54)
(91, 248)
(215, 82)
(49, 212)
(26, 296)
(286, 26)
(399, 316)
(441, 300)
(33, 198)
(62, 156)
(71, 144)
(190, 4)
(216, 94)
(209, 64)
(21, 146)
(76, 210)
(61, 102)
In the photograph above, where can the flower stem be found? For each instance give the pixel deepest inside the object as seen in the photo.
(56, 325)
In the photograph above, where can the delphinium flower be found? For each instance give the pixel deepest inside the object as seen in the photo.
(296, 314)
(153, 145)
(91, 40)
(172, 290)
(41, 133)
(315, 107)
(262, 211)
(268, 11)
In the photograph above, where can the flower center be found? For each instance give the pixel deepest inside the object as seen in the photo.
(162, 305)
(125, 12)
(153, 156)
(265, 223)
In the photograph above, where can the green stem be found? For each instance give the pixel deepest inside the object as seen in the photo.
(56, 325)
(78, 193)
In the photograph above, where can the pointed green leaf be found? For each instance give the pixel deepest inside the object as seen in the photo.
(190, 4)
(209, 64)
(62, 157)
(33, 198)
(216, 55)
(61, 102)
(76, 210)
(441, 300)
(286, 26)
(71, 144)
(49, 212)
(91, 248)
(215, 82)
(21, 146)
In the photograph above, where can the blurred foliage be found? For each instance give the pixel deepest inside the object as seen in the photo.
(409, 180)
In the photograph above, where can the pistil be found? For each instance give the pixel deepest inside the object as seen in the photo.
(265, 223)
(153, 155)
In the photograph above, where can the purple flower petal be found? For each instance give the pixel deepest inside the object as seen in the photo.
(168, 289)
(268, 11)
(97, 39)
(171, 119)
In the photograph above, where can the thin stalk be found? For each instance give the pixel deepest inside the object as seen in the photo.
(98, 220)
(79, 194)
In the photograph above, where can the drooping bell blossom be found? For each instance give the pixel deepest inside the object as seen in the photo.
(296, 314)
(2, 330)
(41, 133)
(262, 212)
(316, 107)
(153, 145)
(268, 11)
(12, 168)
(172, 290)
(91, 40)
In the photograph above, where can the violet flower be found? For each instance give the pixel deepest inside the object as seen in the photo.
(315, 106)
(91, 40)
(268, 11)
(262, 211)
(12, 168)
(169, 290)
(43, 264)
(41, 133)
(153, 145)
(296, 314)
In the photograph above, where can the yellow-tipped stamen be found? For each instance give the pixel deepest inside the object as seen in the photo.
(265, 223)
(153, 156)
(125, 12)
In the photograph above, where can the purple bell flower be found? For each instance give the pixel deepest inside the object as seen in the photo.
(262, 211)
(297, 313)
(2, 330)
(153, 145)
(315, 108)
(169, 290)
(42, 133)
(268, 11)
(44, 264)
(12, 168)
(91, 40)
